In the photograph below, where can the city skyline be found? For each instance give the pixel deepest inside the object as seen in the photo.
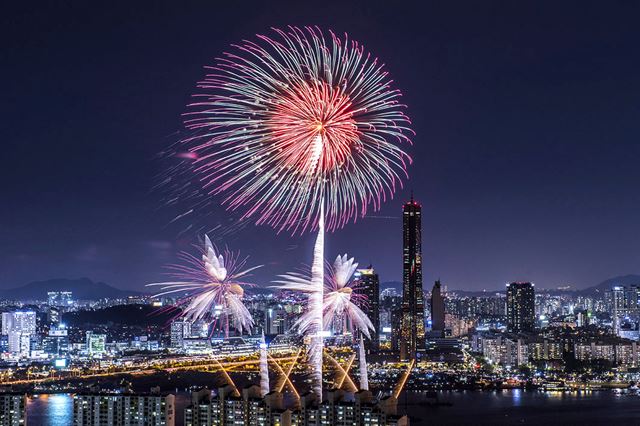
(523, 159)
(358, 212)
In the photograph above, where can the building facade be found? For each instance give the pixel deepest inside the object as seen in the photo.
(123, 410)
(228, 409)
(369, 285)
(412, 310)
(13, 411)
(180, 329)
(19, 327)
(437, 310)
(520, 307)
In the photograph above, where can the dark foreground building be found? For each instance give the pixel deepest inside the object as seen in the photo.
(150, 409)
(13, 410)
(227, 408)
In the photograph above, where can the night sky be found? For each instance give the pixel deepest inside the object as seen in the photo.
(526, 156)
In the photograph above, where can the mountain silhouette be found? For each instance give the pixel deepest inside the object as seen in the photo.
(82, 289)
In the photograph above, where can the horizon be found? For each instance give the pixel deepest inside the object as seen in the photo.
(396, 284)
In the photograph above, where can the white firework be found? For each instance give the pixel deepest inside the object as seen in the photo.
(264, 368)
(339, 302)
(214, 281)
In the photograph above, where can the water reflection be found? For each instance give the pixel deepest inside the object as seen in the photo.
(54, 409)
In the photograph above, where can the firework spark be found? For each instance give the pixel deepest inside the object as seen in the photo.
(340, 298)
(287, 124)
(264, 368)
(362, 360)
(212, 281)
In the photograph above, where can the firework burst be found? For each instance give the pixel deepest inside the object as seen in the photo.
(291, 123)
(341, 299)
(212, 281)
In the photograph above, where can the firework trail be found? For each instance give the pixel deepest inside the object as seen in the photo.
(213, 280)
(299, 131)
(264, 368)
(364, 375)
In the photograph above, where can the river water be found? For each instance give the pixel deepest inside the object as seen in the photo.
(468, 407)
(511, 407)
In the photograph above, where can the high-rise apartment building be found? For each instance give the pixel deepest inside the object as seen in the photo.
(13, 410)
(520, 307)
(19, 321)
(19, 326)
(412, 327)
(249, 409)
(437, 310)
(123, 409)
(369, 285)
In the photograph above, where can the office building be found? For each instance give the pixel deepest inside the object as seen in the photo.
(180, 329)
(520, 307)
(369, 285)
(96, 344)
(56, 342)
(276, 320)
(437, 311)
(412, 326)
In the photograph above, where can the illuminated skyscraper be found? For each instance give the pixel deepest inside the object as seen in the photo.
(412, 327)
(180, 329)
(369, 285)
(520, 307)
(19, 321)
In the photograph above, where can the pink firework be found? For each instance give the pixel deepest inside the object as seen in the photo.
(291, 124)
(214, 281)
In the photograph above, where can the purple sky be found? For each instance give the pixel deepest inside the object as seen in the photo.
(526, 154)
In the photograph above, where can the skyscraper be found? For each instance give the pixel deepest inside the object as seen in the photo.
(520, 307)
(19, 326)
(180, 329)
(437, 310)
(412, 327)
(19, 321)
(369, 285)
